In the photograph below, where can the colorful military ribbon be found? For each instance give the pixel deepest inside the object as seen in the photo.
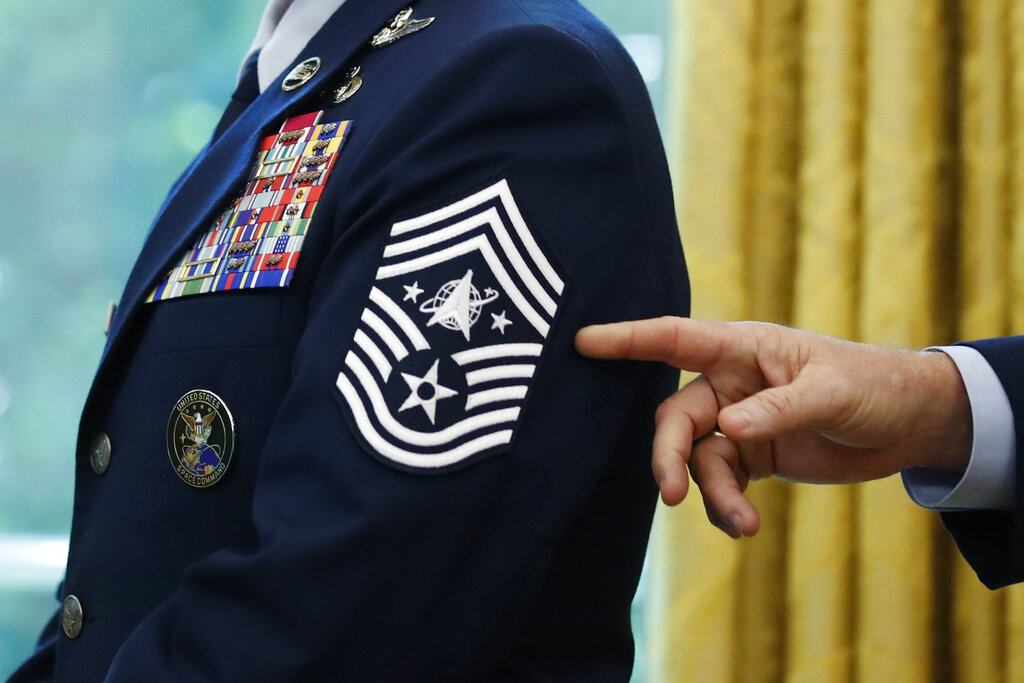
(257, 241)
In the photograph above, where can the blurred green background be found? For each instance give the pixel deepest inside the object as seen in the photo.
(104, 105)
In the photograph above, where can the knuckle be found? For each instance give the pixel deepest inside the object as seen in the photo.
(670, 407)
(663, 411)
(777, 402)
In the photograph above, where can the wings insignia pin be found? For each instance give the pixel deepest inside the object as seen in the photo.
(449, 342)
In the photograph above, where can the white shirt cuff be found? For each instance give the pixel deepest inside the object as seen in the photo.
(990, 479)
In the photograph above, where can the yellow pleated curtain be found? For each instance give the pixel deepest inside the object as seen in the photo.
(856, 168)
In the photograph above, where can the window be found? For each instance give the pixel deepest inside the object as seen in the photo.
(107, 113)
(643, 29)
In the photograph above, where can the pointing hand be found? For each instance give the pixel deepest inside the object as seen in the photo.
(790, 404)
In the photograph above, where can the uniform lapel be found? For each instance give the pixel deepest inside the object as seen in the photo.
(221, 170)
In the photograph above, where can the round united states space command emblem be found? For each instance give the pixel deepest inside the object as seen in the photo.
(200, 438)
(451, 337)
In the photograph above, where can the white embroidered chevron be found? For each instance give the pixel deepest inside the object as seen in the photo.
(480, 257)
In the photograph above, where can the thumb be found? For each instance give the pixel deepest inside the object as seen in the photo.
(773, 412)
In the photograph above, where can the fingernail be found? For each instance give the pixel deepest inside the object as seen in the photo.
(737, 523)
(743, 419)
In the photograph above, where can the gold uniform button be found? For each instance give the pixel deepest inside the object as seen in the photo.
(99, 453)
(71, 617)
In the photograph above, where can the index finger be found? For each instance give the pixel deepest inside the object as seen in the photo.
(688, 344)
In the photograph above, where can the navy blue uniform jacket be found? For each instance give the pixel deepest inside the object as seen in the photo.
(427, 483)
(992, 541)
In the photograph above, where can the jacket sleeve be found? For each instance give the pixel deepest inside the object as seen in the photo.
(374, 570)
(992, 541)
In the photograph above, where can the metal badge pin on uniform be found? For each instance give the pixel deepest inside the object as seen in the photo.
(301, 74)
(350, 87)
(402, 25)
(200, 438)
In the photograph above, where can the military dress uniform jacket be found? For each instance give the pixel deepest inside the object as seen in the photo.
(992, 541)
(339, 431)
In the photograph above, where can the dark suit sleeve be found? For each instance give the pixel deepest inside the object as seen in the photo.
(992, 541)
(374, 571)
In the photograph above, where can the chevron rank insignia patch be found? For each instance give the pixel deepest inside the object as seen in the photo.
(256, 242)
(451, 337)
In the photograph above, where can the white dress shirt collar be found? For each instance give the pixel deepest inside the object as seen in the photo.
(285, 29)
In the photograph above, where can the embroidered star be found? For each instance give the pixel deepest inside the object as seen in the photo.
(500, 322)
(425, 392)
(412, 291)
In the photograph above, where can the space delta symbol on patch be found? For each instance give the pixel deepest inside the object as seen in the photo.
(448, 344)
